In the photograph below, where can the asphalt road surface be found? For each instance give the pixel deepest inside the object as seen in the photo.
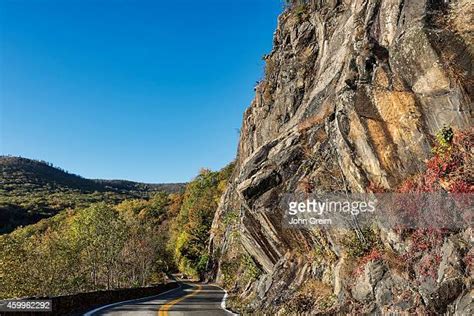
(190, 299)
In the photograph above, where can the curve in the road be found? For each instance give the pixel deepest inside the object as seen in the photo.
(109, 306)
(165, 308)
(198, 299)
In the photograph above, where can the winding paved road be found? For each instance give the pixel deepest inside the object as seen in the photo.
(190, 299)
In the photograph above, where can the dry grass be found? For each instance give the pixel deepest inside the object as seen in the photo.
(267, 94)
(313, 296)
(270, 67)
(394, 261)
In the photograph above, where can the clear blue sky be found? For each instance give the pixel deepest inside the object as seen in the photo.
(141, 90)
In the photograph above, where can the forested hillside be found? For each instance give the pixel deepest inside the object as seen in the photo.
(104, 245)
(31, 190)
(359, 97)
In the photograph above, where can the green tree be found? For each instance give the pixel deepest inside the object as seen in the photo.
(98, 234)
(191, 229)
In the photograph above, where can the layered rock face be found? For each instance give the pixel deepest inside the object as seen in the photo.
(354, 92)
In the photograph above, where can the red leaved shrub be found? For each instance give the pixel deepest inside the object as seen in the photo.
(449, 170)
(451, 167)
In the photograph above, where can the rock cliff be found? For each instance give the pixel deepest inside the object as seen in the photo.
(354, 91)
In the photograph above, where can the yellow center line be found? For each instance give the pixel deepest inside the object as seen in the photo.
(163, 311)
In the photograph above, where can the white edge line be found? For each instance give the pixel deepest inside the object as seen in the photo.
(129, 301)
(224, 300)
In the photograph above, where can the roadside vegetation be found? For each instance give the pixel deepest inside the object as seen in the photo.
(95, 248)
(450, 170)
(109, 245)
(190, 230)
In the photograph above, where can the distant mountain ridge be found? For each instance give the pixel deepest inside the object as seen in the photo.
(36, 173)
(32, 189)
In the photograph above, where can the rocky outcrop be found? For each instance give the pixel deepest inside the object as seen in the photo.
(353, 93)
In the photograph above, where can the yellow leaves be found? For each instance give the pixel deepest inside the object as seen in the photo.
(134, 206)
(195, 211)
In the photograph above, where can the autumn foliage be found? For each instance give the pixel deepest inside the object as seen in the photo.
(109, 246)
(450, 169)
